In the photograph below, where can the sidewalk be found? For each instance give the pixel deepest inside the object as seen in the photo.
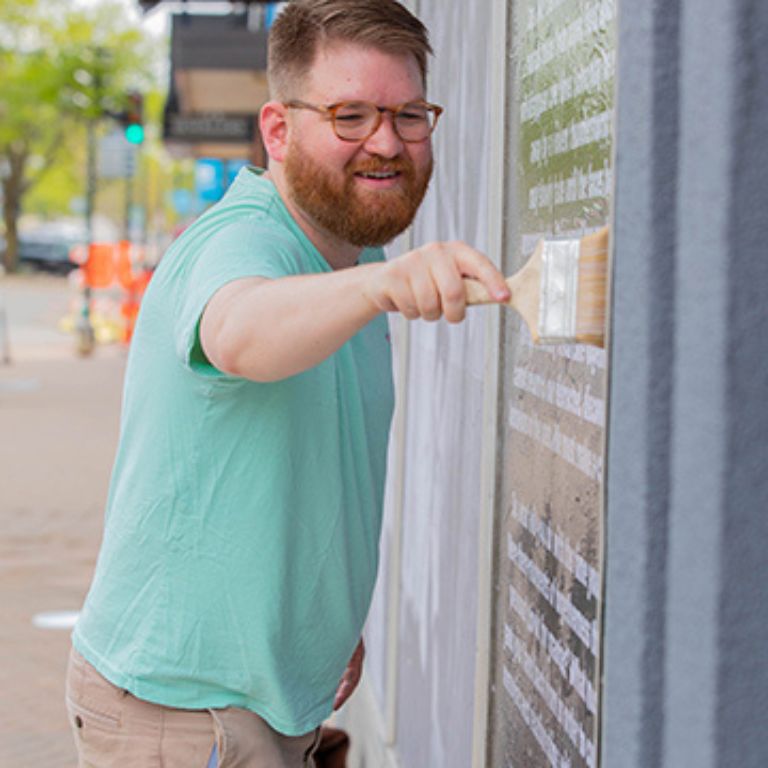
(58, 431)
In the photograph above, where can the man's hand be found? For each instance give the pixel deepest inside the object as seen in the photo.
(427, 282)
(351, 676)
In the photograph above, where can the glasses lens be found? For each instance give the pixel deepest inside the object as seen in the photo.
(414, 122)
(355, 120)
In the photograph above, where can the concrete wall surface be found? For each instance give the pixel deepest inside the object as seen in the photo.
(686, 661)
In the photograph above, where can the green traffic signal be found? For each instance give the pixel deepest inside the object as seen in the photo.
(134, 133)
(132, 117)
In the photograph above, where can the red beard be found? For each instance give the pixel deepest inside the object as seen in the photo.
(338, 205)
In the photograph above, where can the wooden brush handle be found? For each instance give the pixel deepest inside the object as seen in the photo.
(524, 291)
(476, 293)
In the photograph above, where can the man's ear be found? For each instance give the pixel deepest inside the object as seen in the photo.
(274, 129)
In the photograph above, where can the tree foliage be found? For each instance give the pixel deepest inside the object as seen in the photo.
(62, 66)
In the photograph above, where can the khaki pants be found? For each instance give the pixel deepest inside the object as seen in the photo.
(114, 729)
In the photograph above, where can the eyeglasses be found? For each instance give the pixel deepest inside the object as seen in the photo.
(359, 120)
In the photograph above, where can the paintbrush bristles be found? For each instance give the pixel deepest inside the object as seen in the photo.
(592, 288)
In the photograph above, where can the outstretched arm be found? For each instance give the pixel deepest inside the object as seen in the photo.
(267, 330)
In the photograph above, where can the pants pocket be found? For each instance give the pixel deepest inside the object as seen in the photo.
(95, 733)
(94, 709)
(80, 715)
(92, 694)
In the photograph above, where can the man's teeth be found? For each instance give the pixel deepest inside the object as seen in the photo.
(378, 175)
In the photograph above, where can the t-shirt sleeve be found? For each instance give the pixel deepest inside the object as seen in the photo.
(250, 248)
(372, 255)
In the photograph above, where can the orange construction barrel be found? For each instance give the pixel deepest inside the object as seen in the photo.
(99, 268)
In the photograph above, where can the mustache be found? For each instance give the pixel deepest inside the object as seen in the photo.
(376, 164)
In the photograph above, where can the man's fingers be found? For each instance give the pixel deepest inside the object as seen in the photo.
(405, 302)
(474, 264)
(451, 289)
(427, 282)
(457, 259)
(426, 294)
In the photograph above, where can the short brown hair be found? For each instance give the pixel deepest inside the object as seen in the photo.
(385, 25)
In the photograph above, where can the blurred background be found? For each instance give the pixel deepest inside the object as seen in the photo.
(122, 119)
(120, 122)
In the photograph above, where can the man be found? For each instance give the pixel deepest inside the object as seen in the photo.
(241, 537)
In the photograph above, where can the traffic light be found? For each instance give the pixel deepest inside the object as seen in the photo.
(133, 118)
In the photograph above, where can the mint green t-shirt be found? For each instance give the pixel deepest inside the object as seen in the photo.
(241, 535)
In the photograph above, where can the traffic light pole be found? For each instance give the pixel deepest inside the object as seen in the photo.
(84, 333)
(128, 191)
(132, 120)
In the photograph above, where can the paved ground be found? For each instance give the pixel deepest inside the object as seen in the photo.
(58, 431)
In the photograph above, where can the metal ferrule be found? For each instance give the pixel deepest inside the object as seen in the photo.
(559, 290)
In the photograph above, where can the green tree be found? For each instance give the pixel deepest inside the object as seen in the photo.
(60, 67)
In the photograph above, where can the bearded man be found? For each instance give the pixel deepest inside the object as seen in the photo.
(241, 539)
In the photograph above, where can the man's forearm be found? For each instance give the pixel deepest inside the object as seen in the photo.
(266, 330)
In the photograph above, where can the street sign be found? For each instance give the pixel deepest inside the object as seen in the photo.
(117, 157)
(216, 127)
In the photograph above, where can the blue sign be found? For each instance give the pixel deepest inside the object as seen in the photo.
(233, 167)
(182, 201)
(209, 180)
(273, 10)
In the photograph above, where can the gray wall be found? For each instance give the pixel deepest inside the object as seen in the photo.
(686, 657)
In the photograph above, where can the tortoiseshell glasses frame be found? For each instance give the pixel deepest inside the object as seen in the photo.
(357, 121)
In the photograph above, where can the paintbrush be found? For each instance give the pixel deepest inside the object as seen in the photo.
(561, 290)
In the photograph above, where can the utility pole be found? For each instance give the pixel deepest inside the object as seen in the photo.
(128, 192)
(5, 344)
(132, 120)
(96, 58)
(84, 333)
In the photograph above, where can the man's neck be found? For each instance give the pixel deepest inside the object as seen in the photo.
(338, 253)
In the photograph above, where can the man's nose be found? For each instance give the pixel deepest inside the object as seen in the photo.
(384, 141)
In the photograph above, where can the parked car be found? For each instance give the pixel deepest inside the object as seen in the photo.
(47, 248)
(50, 254)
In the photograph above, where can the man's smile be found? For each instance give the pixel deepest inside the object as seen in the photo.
(378, 179)
(378, 174)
